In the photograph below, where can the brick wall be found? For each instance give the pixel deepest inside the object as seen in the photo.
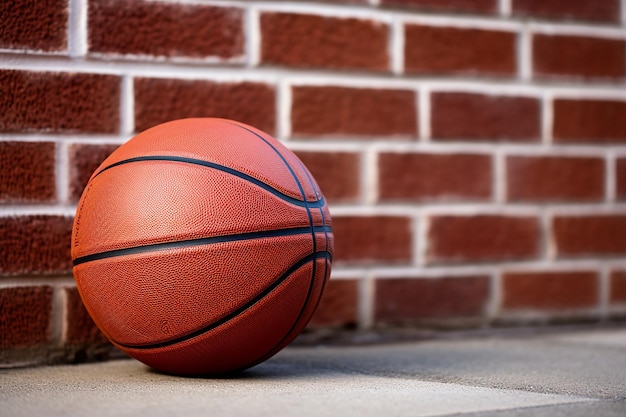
(473, 152)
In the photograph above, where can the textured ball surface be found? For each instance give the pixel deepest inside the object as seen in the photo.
(201, 246)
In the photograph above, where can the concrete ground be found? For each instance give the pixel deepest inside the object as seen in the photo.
(574, 373)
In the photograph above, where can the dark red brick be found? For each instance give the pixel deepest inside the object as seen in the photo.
(84, 159)
(596, 11)
(160, 100)
(58, 102)
(549, 290)
(618, 287)
(468, 116)
(25, 316)
(421, 176)
(578, 56)
(468, 6)
(589, 120)
(337, 173)
(302, 40)
(602, 234)
(554, 178)
(482, 238)
(27, 172)
(38, 25)
(447, 50)
(367, 239)
(342, 111)
(339, 305)
(81, 330)
(415, 299)
(37, 244)
(620, 178)
(162, 29)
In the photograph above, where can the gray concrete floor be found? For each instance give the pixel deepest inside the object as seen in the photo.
(576, 373)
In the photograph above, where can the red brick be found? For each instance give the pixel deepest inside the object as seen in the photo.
(25, 316)
(342, 111)
(58, 102)
(597, 11)
(160, 100)
(81, 330)
(339, 305)
(549, 290)
(368, 239)
(618, 287)
(161, 29)
(578, 56)
(309, 41)
(414, 299)
(467, 116)
(38, 25)
(37, 244)
(602, 234)
(84, 159)
(448, 50)
(469, 6)
(337, 173)
(554, 178)
(589, 120)
(27, 172)
(620, 178)
(421, 176)
(482, 238)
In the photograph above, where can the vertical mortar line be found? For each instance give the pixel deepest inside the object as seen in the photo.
(369, 176)
(62, 181)
(610, 173)
(127, 105)
(504, 7)
(499, 180)
(420, 239)
(494, 306)
(549, 249)
(547, 117)
(524, 55)
(283, 109)
(623, 12)
(252, 36)
(604, 283)
(367, 294)
(396, 45)
(77, 28)
(58, 316)
(423, 113)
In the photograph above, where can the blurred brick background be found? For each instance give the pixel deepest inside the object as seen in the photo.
(473, 152)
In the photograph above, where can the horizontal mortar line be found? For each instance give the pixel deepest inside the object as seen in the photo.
(179, 244)
(44, 209)
(387, 15)
(295, 77)
(62, 281)
(360, 144)
(70, 137)
(439, 270)
(529, 149)
(470, 209)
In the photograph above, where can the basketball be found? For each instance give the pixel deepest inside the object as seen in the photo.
(201, 246)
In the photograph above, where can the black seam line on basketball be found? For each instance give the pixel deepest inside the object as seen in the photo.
(313, 237)
(299, 264)
(228, 170)
(198, 242)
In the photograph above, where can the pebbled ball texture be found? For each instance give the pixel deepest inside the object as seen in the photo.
(201, 246)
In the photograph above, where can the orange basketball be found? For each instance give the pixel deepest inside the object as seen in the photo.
(201, 246)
